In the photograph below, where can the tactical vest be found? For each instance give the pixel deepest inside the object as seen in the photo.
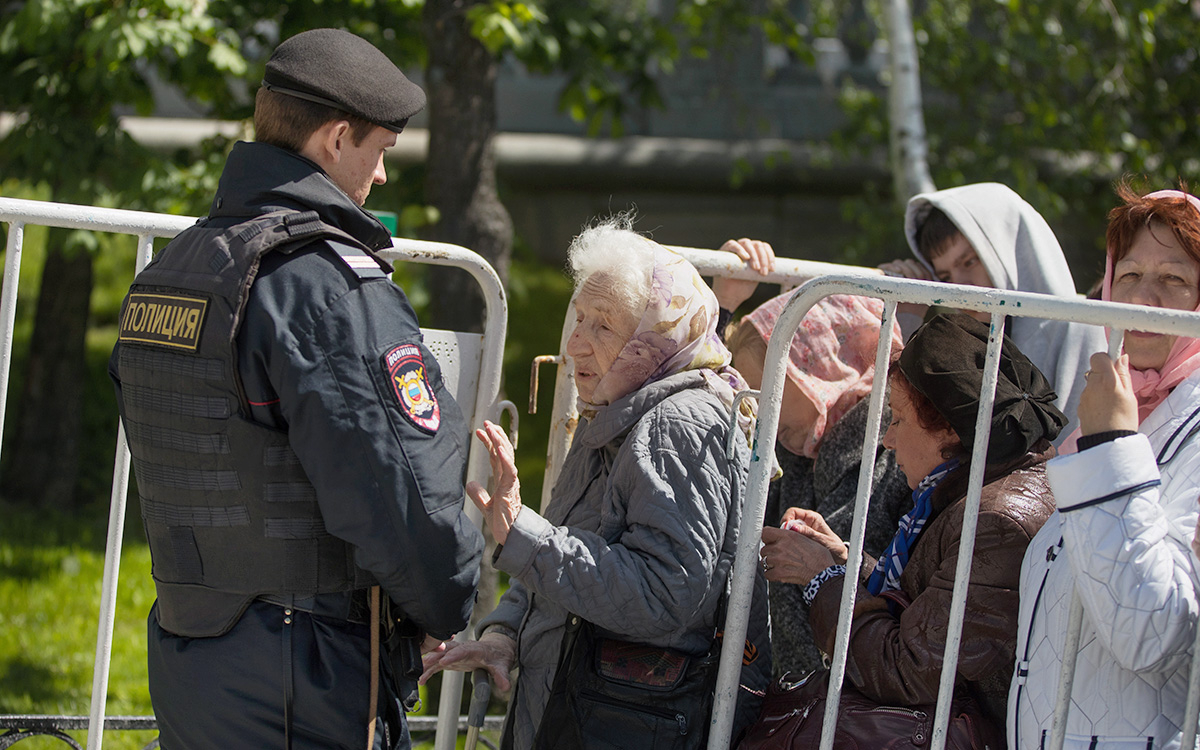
(228, 510)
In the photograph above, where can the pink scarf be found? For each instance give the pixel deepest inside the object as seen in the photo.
(1153, 386)
(832, 356)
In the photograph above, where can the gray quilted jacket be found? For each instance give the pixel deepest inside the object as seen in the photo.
(638, 537)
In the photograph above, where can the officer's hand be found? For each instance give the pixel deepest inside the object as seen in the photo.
(500, 508)
(495, 652)
(759, 255)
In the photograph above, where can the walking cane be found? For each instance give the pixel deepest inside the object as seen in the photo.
(481, 696)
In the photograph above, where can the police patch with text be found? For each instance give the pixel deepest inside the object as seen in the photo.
(405, 369)
(170, 320)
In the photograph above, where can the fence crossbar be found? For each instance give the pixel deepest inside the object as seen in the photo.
(147, 227)
(1000, 304)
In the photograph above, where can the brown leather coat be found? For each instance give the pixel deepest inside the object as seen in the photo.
(899, 661)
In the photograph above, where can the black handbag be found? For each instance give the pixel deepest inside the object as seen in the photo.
(610, 693)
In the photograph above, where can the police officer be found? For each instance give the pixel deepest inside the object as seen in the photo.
(292, 438)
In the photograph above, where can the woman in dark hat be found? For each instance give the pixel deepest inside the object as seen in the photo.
(898, 634)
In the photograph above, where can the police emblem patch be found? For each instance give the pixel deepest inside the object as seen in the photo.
(405, 369)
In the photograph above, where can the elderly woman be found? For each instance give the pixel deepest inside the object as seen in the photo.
(822, 420)
(1126, 511)
(640, 531)
(898, 633)
(987, 235)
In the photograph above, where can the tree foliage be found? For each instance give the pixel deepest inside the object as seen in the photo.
(1055, 98)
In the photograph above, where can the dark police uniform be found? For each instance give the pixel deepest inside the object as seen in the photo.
(293, 443)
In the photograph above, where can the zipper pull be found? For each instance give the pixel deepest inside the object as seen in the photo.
(681, 720)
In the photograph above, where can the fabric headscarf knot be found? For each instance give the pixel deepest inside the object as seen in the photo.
(677, 331)
(1153, 386)
(944, 361)
(831, 358)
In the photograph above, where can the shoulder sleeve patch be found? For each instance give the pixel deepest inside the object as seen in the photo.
(360, 262)
(405, 369)
(170, 320)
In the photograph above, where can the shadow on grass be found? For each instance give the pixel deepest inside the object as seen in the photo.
(37, 683)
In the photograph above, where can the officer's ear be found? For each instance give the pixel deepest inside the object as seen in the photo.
(327, 143)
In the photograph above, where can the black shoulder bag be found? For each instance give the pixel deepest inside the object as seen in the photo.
(610, 693)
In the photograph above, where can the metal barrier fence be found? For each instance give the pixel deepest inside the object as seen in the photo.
(833, 279)
(1000, 305)
(484, 403)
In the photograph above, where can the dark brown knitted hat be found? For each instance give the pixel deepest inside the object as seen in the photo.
(944, 362)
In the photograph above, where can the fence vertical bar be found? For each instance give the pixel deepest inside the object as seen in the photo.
(966, 545)
(112, 562)
(1070, 651)
(8, 306)
(745, 563)
(858, 529)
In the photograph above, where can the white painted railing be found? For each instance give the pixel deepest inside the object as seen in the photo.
(1000, 305)
(482, 403)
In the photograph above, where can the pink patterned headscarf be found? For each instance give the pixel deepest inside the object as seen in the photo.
(832, 356)
(677, 332)
(1153, 386)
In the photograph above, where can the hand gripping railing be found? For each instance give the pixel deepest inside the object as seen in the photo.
(999, 304)
(147, 227)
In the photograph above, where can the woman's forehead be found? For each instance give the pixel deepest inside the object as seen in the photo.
(598, 293)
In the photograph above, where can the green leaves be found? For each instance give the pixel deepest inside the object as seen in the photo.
(1055, 98)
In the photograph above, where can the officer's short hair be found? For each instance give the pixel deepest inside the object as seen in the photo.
(288, 122)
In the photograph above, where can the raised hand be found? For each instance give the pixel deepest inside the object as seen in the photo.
(501, 508)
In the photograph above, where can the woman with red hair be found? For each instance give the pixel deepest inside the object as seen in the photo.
(1126, 511)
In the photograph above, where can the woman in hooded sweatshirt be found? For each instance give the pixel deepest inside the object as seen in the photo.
(987, 235)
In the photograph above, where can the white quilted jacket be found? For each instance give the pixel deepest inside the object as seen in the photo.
(1127, 513)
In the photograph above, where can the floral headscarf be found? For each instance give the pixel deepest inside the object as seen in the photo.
(677, 332)
(832, 356)
(1153, 386)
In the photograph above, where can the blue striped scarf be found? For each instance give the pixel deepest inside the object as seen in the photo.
(886, 576)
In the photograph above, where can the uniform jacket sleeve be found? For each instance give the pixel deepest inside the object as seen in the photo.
(668, 499)
(318, 336)
(1126, 531)
(899, 660)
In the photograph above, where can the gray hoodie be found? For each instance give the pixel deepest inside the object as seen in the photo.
(1020, 253)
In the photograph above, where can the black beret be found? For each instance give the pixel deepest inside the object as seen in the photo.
(944, 362)
(346, 72)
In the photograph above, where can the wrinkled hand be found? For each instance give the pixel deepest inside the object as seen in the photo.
(1108, 401)
(791, 557)
(731, 293)
(495, 652)
(906, 268)
(500, 508)
(812, 525)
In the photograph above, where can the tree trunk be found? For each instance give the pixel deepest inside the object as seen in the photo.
(461, 167)
(908, 147)
(42, 460)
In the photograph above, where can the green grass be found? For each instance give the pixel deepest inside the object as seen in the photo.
(50, 572)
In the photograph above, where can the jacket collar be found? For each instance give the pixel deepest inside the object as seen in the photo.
(616, 419)
(259, 178)
(954, 486)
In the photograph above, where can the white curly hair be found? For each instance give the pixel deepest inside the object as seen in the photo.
(610, 247)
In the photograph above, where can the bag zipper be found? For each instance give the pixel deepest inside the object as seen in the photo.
(678, 717)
